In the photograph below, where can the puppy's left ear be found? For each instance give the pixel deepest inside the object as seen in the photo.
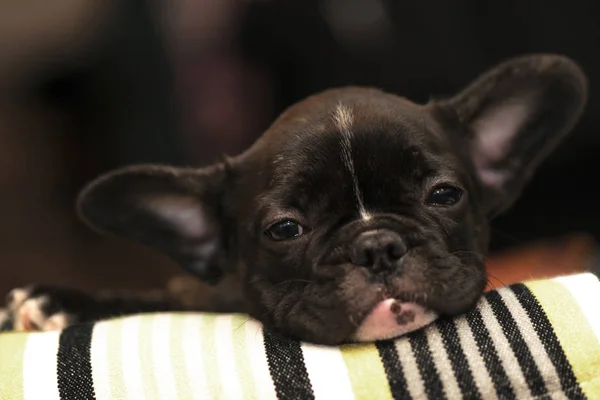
(512, 117)
(177, 211)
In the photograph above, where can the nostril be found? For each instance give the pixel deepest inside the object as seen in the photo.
(364, 256)
(370, 257)
(396, 250)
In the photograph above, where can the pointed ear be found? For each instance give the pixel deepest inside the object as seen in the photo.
(174, 210)
(512, 117)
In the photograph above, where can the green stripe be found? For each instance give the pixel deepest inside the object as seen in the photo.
(242, 356)
(209, 357)
(146, 353)
(178, 356)
(12, 347)
(366, 372)
(116, 379)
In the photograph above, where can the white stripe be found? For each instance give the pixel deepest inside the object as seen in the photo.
(471, 350)
(503, 349)
(99, 359)
(162, 360)
(585, 289)
(130, 358)
(536, 347)
(40, 381)
(414, 382)
(258, 358)
(226, 360)
(192, 347)
(442, 363)
(327, 372)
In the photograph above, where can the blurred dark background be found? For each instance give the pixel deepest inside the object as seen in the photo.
(87, 86)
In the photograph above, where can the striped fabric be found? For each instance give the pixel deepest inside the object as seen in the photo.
(535, 340)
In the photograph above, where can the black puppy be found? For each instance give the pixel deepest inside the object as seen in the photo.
(358, 215)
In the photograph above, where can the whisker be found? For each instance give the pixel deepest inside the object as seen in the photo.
(286, 282)
(290, 281)
(497, 279)
(248, 319)
(471, 258)
(475, 255)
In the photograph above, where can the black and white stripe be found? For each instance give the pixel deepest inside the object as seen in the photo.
(545, 332)
(524, 357)
(505, 349)
(460, 366)
(429, 374)
(490, 357)
(286, 364)
(73, 363)
(393, 369)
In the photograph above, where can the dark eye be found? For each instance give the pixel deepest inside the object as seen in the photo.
(444, 196)
(284, 230)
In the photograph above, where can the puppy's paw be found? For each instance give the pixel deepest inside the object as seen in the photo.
(5, 322)
(46, 308)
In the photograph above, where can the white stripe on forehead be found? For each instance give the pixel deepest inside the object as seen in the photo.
(343, 119)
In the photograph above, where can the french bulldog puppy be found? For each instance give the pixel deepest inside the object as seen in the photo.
(357, 216)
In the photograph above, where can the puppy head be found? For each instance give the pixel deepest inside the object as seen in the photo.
(358, 215)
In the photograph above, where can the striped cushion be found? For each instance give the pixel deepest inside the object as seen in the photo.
(534, 340)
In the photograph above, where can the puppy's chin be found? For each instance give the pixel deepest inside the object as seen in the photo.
(391, 318)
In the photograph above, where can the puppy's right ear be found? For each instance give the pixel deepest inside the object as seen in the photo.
(174, 210)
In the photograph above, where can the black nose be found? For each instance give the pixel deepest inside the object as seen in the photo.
(378, 248)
